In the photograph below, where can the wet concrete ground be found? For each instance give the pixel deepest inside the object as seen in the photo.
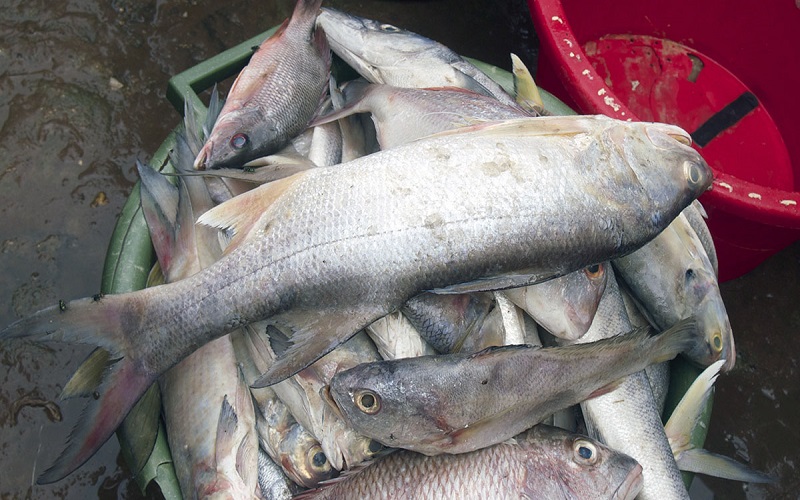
(82, 88)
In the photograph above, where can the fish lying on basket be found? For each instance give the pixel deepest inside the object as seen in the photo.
(327, 251)
(480, 208)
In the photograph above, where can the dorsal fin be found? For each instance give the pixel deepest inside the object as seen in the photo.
(248, 212)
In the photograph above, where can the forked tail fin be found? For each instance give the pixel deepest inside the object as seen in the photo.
(95, 321)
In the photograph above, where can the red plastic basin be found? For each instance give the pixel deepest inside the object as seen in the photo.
(728, 76)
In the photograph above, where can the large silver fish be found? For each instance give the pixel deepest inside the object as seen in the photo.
(275, 96)
(383, 53)
(457, 403)
(544, 463)
(333, 249)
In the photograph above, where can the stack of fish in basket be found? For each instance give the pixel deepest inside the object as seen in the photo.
(409, 285)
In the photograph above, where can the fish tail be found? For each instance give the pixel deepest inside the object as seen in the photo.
(682, 337)
(122, 379)
(306, 10)
(681, 425)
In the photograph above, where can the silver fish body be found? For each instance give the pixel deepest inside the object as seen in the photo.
(402, 115)
(480, 208)
(543, 463)
(672, 278)
(627, 418)
(383, 53)
(564, 306)
(458, 403)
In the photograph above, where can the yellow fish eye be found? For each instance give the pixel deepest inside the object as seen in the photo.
(367, 401)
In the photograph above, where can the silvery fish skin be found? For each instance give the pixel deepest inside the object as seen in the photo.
(274, 97)
(447, 321)
(627, 418)
(482, 207)
(194, 390)
(671, 278)
(343, 446)
(383, 53)
(395, 337)
(564, 306)
(696, 216)
(272, 482)
(457, 403)
(402, 115)
(543, 463)
(287, 443)
(658, 374)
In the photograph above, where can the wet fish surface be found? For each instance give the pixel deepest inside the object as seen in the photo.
(458, 403)
(478, 208)
(543, 463)
(383, 53)
(275, 96)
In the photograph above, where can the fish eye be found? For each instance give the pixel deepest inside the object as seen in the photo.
(239, 141)
(374, 446)
(367, 401)
(388, 28)
(693, 172)
(585, 452)
(717, 341)
(317, 458)
(595, 271)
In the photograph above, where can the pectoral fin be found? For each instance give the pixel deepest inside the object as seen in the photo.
(316, 333)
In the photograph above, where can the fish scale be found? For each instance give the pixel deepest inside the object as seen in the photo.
(389, 226)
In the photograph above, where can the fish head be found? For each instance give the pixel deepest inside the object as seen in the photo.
(586, 467)
(566, 306)
(712, 322)
(238, 137)
(303, 458)
(371, 398)
(665, 165)
(371, 47)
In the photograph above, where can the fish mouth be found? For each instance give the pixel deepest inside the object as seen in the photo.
(202, 157)
(325, 394)
(631, 486)
(661, 133)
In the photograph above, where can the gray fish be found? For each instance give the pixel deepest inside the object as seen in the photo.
(275, 96)
(447, 321)
(564, 306)
(543, 463)
(457, 403)
(477, 208)
(671, 278)
(287, 443)
(272, 482)
(383, 53)
(402, 115)
(627, 418)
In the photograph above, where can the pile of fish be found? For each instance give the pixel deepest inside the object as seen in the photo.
(388, 287)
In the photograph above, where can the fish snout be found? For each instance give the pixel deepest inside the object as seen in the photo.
(325, 394)
(631, 486)
(202, 157)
